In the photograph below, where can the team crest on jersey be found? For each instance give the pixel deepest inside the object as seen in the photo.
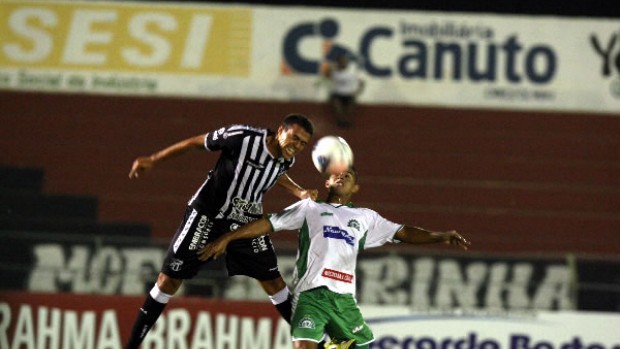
(218, 133)
(354, 224)
(306, 322)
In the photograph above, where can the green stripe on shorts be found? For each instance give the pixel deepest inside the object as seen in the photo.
(320, 310)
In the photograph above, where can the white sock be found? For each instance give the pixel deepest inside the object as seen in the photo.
(160, 296)
(280, 296)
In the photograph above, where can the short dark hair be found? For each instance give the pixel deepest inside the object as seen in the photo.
(300, 120)
(355, 173)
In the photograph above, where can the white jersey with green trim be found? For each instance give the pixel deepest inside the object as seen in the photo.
(330, 237)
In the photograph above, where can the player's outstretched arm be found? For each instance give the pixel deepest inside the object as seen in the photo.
(248, 231)
(287, 183)
(417, 235)
(144, 163)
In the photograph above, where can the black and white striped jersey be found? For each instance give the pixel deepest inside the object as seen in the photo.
(243, 173)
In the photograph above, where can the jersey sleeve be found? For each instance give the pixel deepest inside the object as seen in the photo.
(380, 230)
(292, 217)
(224, 138)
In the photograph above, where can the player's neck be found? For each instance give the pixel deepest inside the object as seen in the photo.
(338, 199)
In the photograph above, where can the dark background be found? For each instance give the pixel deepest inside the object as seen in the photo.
(596, 8)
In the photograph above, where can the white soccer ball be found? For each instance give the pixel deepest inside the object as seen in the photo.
(332, 155)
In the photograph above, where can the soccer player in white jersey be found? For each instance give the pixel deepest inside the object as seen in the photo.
(252, 160)
(331, 234)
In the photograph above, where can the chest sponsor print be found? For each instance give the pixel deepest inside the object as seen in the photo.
(332, 232)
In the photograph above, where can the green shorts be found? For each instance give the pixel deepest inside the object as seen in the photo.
(320, 310)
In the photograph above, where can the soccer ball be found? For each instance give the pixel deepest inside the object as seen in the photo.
(332, 155)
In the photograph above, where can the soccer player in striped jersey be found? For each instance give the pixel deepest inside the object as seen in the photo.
(252, 160)
(331, 234)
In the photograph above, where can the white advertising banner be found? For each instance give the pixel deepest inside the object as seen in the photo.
(398, 328)
(277, 53)
(86, 321)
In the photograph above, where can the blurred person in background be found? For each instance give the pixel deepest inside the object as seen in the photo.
(331, 234)
(346, 84)
(252, 160)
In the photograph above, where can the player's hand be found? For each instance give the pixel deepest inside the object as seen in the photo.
(213, 250)
(140, 166)
(309, 193)
(454, 238)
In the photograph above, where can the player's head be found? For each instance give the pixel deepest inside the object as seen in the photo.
(343, 184)
(293, 135)
(298, 119)
(342, 61)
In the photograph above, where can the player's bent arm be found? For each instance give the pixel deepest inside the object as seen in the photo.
(251, 230)
(145, 163)
(287, 183)
(417, 235)
(192, 143)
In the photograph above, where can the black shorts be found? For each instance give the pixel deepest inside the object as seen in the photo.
(255, 258)
(345, 100)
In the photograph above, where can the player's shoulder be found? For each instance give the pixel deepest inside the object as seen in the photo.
(364, 211)
(242, 129)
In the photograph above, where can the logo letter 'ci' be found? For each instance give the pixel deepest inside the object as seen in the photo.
(326, 29)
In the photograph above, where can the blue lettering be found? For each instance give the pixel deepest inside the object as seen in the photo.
(489, 344)
(425, 343)
(291, 49)
(519, 342)
(366, 43)
(442, 51)
(511, 48)
(337, 233)
(606, 53)
(446, 343)
(489, 73)
(546, 54)
(438, 58)
(575, 344)
(387, 343)
(417, 59)
(469, 342)
(543, 345)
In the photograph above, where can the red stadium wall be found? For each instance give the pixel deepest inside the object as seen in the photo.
(61, 320)
(511, 181)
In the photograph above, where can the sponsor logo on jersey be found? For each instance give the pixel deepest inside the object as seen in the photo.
(357, 329)
(176, 264)
(243, 210)
(247, 206)
(332, 232)
(354, 224)
(201, 234)
(306, 322)
(337, 275)
(259, 244)
(326, 214)
(255, 164)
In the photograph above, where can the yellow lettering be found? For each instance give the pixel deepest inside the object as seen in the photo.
(158, 47)
(125, 38)
(83, 33)
(196, 42)
(31, 42)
